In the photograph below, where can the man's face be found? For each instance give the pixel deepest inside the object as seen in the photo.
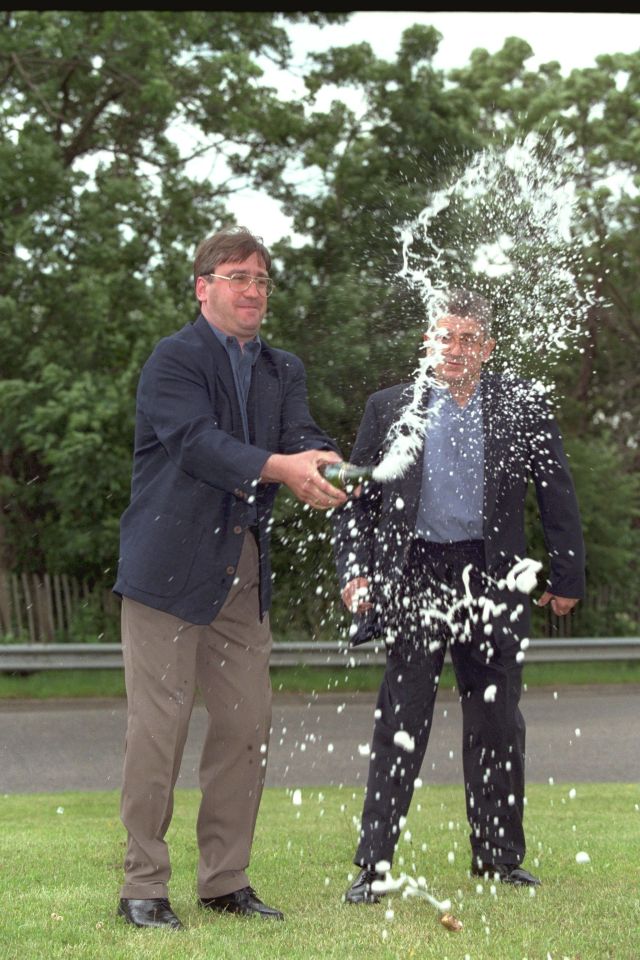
(236, 314)
(462, 348)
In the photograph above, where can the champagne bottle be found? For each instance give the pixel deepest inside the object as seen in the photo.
(345, 476)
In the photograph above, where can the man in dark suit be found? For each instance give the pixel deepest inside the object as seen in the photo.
(437, 557)
(221, 420)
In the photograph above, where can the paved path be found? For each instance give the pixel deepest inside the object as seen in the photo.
(575, 734)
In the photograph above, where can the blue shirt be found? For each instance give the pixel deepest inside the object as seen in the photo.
(242, 361)
(451, 501)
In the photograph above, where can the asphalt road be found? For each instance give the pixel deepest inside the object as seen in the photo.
(574, 734)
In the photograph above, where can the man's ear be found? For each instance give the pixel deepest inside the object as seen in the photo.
(201, 289)
(487, 349)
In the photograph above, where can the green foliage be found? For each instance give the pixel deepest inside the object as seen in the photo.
(94, 621)
(342, 306)
(102, 217)
(94, 252)
(612, 538)
(358, 328)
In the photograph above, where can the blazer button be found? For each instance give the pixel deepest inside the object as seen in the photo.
(238, 529)
(231, 570)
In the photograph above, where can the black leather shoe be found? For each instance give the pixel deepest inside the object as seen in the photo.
(242, 901)
(148, 913)
(505, 873)
(360, 890)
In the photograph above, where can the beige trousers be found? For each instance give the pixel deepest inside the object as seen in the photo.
(166, 660)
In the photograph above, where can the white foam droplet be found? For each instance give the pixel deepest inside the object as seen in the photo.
(296, 799)
(523, 575)
(583, 857)
(490, 693)
(404, 740)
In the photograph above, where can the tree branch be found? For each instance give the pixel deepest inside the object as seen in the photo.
(76, 146)
(33, 88)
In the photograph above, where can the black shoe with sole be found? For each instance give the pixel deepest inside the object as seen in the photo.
(360, 890)
(148, 913)
(244, 901)
(505, 873)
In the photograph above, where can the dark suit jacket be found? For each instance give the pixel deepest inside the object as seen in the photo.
(194, 475)
(521, 441)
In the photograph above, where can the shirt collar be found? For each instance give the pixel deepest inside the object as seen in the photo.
(440, 394)
(252, 347)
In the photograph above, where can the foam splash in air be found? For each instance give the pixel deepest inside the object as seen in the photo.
(413, 887)
(523, 575)
(507, 228)
(404, 740)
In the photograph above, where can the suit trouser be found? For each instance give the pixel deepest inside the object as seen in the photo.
(166, 661)
(483, 642)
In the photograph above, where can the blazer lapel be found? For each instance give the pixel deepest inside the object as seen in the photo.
(411, 482)
(494, 443)
(264, 399)
(223, 373)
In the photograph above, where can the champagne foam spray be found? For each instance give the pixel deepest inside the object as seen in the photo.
(515, 219)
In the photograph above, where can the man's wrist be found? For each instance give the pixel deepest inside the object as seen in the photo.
(272, 469)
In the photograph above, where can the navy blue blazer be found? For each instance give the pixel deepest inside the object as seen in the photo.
(194, 476)
(521, 442)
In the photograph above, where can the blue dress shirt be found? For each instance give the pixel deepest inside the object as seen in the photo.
(242, 361)
(451, 501)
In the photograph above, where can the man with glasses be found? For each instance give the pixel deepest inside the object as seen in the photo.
(221, 420)
(437, 558)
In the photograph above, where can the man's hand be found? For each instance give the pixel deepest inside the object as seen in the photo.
(299, 472)
(354, 595)
(561, 606)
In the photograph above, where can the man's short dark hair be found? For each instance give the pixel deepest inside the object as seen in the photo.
(467, 303)
(232, 243)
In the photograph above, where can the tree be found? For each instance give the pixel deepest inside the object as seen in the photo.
(104, 214)
(597, 111)
(340, 304)
(343, 307)
(102, 218)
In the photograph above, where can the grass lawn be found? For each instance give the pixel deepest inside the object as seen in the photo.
(49, 684)
(61, 855)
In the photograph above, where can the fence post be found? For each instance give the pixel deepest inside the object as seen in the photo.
(5, 603)
(47, 609)
(17, 608)
(29, 605)
(67, 599)
(58, 604)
